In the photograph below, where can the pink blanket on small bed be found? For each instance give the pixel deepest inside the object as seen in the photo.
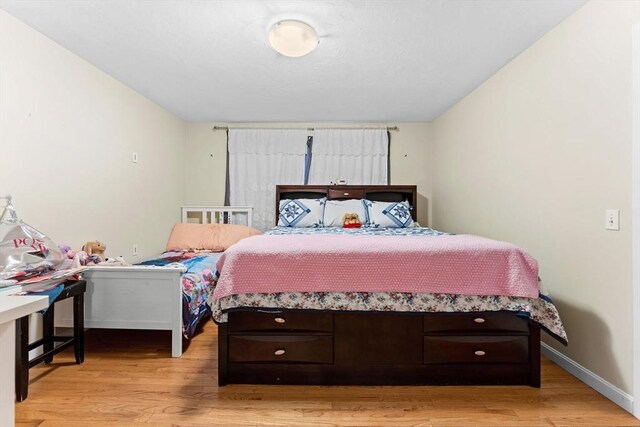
(463, 264)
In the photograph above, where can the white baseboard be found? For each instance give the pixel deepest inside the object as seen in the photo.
(602, 386)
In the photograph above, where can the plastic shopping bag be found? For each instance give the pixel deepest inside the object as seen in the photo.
(23, 249)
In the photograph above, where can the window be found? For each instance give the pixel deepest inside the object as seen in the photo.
(260, 159)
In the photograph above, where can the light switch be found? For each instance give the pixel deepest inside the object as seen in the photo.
(612, 218)
(134, 157)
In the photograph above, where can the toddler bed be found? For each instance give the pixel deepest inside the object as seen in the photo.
(166, 293)
(405, 305)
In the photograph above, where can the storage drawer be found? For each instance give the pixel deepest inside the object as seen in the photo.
(281, 348)
(476, 349)
(335, 193)
(466, 322)
(281, 321)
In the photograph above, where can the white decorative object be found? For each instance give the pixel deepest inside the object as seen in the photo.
(339, 181)
(357, 156)
(259, 159)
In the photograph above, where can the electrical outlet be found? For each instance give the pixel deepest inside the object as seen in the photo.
(612, 219)
(134, 251)
(134, 157)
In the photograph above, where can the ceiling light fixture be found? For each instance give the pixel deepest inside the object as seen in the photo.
(293, 38)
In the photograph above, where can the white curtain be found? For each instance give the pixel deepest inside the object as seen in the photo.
(259, 159)
(358, 155)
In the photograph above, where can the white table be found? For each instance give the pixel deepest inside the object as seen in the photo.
(12, 308)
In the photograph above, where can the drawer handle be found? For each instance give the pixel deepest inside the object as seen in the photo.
(479, 353)
(479, 320)
(279, 320)
(346, 194)
(279, 352)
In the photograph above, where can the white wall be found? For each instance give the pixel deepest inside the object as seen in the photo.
(536, 154)
(67, 133)
(636, 217)
(205, 160)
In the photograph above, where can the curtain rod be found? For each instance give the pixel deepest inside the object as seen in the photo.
(389, 128)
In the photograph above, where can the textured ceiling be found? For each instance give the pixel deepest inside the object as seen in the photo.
(377, 60)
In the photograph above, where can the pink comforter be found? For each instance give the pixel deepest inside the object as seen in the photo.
(463, 264)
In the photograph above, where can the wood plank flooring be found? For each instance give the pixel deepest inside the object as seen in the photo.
(129, 379)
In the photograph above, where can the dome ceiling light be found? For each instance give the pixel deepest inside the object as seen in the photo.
(293, 38)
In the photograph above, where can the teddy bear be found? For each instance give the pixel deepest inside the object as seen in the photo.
(95, 248)
(351, 220)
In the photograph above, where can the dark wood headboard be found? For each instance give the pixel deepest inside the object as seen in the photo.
(376, 193)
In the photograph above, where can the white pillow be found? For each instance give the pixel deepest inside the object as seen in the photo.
(301, 212)
(388, 214)
(335, 209)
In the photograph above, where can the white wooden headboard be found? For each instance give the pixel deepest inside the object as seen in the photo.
(219, 214)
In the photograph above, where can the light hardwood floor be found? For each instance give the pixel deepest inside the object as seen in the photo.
(128, 378)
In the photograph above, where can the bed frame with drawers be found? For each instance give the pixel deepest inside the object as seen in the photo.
(314, 347)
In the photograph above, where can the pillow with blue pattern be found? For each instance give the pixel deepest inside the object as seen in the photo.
(301, 212)
(389, 214)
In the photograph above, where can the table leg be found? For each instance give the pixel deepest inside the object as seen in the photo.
(48, 332)
(78, 327)
(21, 373)
(7, 369)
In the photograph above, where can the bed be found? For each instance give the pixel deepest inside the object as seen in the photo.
(272, 336)
(166, 293)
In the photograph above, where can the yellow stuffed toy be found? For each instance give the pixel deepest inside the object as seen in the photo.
(95, 248)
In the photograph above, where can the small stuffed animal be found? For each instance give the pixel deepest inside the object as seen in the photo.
(67, 252)
(351, 220)
(95, 248)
